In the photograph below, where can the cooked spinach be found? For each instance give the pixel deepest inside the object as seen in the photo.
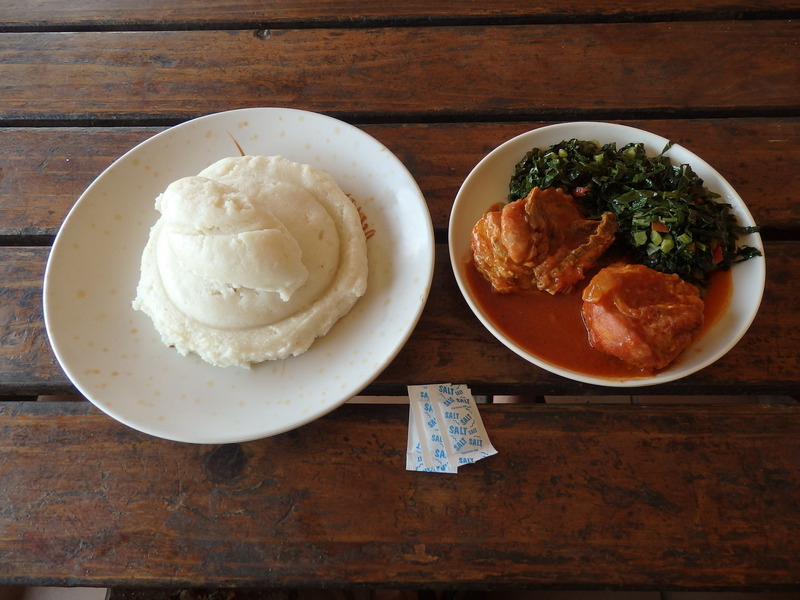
(667, 218)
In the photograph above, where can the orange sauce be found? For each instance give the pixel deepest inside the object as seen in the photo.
(551, 327)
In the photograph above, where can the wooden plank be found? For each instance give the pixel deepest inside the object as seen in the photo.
(538, 71)
(605, 497)
(449, 344)
(27, 363)
(105, 13)
(44, 170)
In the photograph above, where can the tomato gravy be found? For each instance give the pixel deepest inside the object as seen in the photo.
(551, 327)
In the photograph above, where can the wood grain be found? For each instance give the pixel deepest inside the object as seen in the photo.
(106, 13)
(690, 497)
(448, 344)
(531, 72)
(603, 497)
(43, 171)
(28, 363)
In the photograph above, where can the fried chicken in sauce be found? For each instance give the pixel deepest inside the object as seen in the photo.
(539, 242)
(640, 315)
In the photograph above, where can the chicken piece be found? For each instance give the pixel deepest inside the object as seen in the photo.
(642, 316)
(539, 242)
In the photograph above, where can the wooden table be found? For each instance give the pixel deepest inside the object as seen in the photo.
(644, 496)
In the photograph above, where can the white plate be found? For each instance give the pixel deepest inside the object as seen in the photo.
(488, 183)
(112, 353)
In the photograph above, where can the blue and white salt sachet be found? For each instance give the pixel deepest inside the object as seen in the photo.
(445, 429)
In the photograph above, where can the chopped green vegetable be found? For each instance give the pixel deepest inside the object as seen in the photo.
(667, 218)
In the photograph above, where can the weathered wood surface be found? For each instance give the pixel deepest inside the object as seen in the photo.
(43, 171)
(450, 343)
(27, 363)
(514, 71)
(26, 14)
(633, 497)
(611, 497)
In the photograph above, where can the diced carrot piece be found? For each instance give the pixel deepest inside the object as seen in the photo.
(659, 227)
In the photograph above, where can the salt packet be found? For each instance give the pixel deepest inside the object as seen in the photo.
(426, 449)
(445, 429)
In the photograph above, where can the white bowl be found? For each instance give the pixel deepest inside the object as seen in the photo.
(488, 183)
(113, 354)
